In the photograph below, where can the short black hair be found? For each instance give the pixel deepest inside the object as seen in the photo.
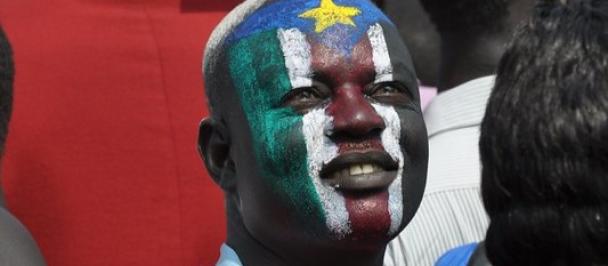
(7, 74)
(544, 141)
(472, 16)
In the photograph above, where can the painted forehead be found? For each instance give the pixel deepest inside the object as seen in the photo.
(278, 41)
(331, 22)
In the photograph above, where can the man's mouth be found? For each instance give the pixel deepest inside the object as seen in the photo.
(360, 171)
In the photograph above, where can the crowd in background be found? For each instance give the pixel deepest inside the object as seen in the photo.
(517, 133)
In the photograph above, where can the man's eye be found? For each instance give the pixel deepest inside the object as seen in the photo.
(386, 89)
(305, 98)
(307, 94)
(390, 93)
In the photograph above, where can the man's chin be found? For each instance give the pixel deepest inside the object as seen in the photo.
(369, 216)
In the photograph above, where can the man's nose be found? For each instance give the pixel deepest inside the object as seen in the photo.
(353, 116)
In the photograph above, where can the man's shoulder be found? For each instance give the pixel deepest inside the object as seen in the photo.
(17, 247)
(458, 107)
(459, 256)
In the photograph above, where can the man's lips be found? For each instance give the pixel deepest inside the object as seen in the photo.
(360, 171)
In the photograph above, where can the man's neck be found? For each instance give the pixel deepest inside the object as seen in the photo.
(253, 252)
(467, 57)
(249, 250)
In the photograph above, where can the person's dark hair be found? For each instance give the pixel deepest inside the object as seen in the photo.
(544, 141)
(472, 16)
(7, 73)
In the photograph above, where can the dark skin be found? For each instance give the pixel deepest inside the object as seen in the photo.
(2, 197)
(420, 36)
(2, 204)
(469, 55)
(220, 151)
(479, 257)
(261, 229)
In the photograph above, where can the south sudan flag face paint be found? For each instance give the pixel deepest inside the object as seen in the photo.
(338, 167)
(258, 68)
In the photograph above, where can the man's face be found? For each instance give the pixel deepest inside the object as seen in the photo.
(335, 148)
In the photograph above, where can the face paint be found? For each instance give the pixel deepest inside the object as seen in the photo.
(390, 141)
(329, 14)
(259, 64)
(321, 150)
(296, 51)
(382, 60)
(286, 45)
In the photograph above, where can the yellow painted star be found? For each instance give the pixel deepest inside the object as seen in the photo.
(329, 14)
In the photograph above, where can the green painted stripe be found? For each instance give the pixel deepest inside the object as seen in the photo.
(257, 67)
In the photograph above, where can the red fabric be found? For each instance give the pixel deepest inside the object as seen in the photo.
(101, 163)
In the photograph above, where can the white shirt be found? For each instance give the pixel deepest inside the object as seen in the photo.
(228, 257)
(451, 213)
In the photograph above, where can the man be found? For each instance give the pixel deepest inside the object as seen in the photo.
(6, 94)
(473, 34)
(548, 114)
(419, 35)
(316, 134)
(16, 244)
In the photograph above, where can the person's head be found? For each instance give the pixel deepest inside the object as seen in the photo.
(472, 17)
(316, 134)
(7, 73)
(419, 35)
(473, 35)
(543, 141)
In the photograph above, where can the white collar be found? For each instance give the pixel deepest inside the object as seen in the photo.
(461, 106)
(228, 257)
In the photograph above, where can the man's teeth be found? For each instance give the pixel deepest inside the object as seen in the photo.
(358, 169)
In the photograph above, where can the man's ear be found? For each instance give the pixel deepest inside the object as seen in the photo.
(214, 148)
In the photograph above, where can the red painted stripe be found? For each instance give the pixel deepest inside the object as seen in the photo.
(356, 127)
(369, 216)
(366, 145)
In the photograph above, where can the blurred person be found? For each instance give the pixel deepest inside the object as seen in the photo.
(7, 73)
(422, 41)
(543, 143)
(100, 156)
(547, 204)
(420, 36)
(17, 247)
(473, 35)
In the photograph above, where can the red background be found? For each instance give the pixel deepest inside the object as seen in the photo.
(101, 163)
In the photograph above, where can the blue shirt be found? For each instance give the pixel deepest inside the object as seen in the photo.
(459, 256)
(228, 257)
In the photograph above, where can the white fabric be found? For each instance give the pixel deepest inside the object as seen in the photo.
(228, 257)
(451, 213)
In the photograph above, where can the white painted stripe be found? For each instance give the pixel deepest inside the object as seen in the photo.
(225, 27)
(296, 51)
(380, 55)
(321, 150)
(390, 141)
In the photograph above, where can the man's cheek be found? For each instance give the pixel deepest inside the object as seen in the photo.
(416, 140)
(281, 151)
(281, 148)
